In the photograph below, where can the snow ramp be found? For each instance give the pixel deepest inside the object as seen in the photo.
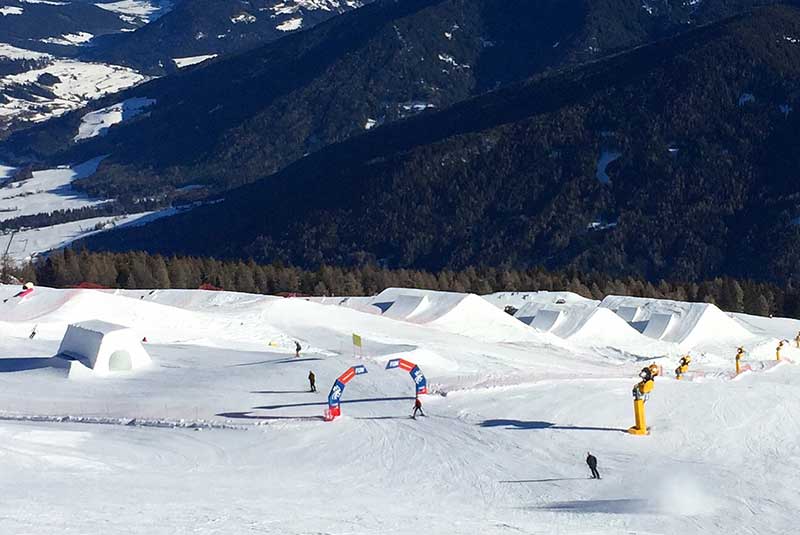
(596, 325)
(546, 320)
(659, 325)
(465, 314)
(690, 325)
(629, 314)
(407, 306)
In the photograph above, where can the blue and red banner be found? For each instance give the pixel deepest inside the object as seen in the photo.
(416, 374)
(335, 396)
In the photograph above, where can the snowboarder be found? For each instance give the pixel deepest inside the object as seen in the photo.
(417, 408)
(297, 349)
(591, 460)
(312, 380)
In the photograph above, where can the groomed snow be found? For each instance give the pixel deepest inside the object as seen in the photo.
(503, 452)
(98, 122)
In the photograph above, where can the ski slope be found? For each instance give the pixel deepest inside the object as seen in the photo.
(219, 434)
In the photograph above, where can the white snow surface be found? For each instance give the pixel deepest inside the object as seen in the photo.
(10, 10)
(98, 122)
(79, 82)
(47, 191)
(502, 452)
(29, 243)
(193, 60)
(142, 11)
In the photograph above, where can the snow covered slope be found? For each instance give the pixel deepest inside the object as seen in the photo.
(40, 42)
(502, 452)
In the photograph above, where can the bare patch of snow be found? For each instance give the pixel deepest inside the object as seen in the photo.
(290, 25)
(69, 39)
(193, 60)
(98, 122)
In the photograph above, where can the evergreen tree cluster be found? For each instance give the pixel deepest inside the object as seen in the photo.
(139, 270)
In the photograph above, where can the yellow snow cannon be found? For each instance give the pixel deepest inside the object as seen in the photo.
(641, 393)
(683, 367)
(739, 356)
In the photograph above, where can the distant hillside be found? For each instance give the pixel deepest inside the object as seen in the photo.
(674, 160)
(237, 120)
(213, 27)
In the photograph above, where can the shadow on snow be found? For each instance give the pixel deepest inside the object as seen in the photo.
(522, 424)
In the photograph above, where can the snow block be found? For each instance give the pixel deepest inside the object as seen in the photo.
(103, 348)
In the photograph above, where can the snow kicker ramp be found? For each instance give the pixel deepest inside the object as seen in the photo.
(595, 325)
(689, 325)
(407, 306)
(464, 314)
(629, 314)
(546, 320)
(659, 325)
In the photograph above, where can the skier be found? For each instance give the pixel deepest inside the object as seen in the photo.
(33, 332)
(417, 408)
(312, 380)
(591, 460)
(297, 349)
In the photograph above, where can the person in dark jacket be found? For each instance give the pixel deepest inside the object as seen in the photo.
(297, 348)
(312, 380)
(417, 407)
(591, 460)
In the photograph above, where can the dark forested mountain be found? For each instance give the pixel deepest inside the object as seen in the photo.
(237, 120)
(213, 27)
(676, 160)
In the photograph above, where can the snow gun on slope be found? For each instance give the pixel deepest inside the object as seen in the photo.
(683, 367)
(641, 393)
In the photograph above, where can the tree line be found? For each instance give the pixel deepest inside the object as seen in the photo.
(139, 270)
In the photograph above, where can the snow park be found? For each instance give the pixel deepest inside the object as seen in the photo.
(191, 411)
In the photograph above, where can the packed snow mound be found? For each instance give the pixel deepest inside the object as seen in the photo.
(54, 310)
(465, 314)
(103, 348)
(535, 300)
(690, 325)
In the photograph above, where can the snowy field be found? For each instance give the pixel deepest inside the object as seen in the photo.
(220, 435)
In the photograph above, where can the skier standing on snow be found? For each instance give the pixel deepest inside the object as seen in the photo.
(297, 349)
(591, 460)
(312, 380)
(417, 407)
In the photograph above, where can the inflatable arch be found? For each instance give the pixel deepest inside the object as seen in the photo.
(416, 374)
(335, 396)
